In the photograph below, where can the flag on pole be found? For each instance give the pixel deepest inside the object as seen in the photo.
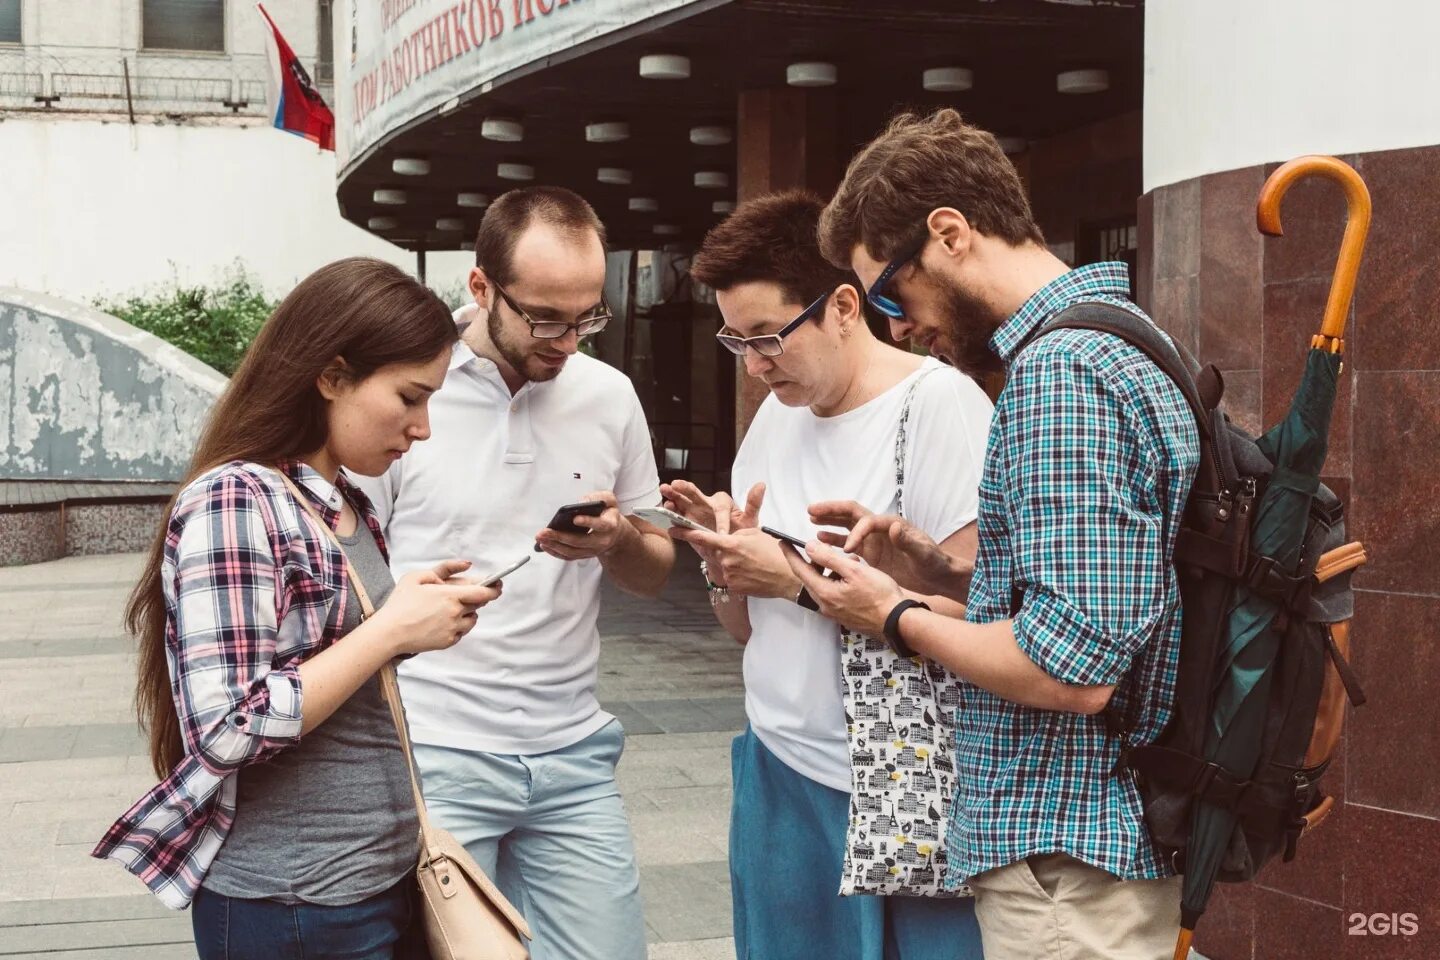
(295, 105)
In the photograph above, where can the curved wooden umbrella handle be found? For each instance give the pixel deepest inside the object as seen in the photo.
(1352, 246)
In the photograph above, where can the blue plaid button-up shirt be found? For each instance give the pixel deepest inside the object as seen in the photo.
(1090, 459)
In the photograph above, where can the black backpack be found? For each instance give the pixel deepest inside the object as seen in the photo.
(1212, 558)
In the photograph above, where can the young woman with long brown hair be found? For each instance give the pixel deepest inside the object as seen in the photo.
(284, 810)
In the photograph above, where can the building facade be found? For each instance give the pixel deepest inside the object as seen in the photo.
(1232, 89)
(1143, 133)
(135, 149)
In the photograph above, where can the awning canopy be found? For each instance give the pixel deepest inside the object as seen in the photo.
(584, 72)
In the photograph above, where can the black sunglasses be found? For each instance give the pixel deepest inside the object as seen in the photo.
(771, 344)
(889, 306)
(555, 329)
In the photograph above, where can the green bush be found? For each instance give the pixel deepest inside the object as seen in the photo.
(213, 324)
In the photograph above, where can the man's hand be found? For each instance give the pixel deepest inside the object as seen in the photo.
(858, 596)
(606, 532)
(896, 546)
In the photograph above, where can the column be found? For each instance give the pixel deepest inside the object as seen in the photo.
(786, 139)
(1232, 89)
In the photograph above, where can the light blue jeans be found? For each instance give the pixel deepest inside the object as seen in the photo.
(551, 831)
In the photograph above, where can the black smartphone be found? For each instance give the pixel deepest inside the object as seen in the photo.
(564, 519)
(795, 542)
(799, 546)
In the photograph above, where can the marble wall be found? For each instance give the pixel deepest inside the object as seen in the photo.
(1249, 305)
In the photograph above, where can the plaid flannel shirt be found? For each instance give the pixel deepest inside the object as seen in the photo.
(1089, 463)
(252, 589)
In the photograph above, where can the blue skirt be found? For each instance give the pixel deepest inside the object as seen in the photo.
(787, 850)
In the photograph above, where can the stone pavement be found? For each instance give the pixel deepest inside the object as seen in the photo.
(71, 760)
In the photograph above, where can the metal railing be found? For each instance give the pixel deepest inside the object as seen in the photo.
(94, 80)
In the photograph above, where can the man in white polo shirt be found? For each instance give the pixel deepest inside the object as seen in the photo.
(517, 757)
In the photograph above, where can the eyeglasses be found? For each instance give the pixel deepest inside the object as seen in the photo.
(555, 329)
(876, 294)
(771, 344)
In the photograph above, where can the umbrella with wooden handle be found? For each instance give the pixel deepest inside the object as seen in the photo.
(1297, 447)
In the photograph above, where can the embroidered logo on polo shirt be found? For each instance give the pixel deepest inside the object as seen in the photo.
(577, 476)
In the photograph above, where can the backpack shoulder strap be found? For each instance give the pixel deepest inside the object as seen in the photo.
(1181, 369)
(1173, 360)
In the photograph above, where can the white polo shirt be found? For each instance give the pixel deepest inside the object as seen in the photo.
(489, 477)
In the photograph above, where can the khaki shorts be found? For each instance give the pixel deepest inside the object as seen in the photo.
(1054, 907)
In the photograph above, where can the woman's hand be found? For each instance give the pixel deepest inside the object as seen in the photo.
(748, 561)
(691, 502)
(718, 512)
(432, 609)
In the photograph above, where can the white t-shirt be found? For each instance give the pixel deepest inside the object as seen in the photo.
(490, 476)
(792, 662)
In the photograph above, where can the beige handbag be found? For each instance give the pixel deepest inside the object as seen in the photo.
(466, 916)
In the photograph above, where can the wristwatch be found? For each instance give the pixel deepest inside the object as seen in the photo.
(892, 628)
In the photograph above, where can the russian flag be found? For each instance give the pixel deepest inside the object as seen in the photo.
(295, 105)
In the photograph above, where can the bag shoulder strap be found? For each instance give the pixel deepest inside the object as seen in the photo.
(388, 683)
(1172, 359)
(902, 442)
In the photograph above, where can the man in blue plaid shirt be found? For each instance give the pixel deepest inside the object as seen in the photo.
(1089, 462)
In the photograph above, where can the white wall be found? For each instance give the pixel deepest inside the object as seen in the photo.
(90, 207)
(1234, 83)
(116, 23)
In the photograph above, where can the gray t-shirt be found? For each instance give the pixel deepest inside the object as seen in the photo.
(331, 819)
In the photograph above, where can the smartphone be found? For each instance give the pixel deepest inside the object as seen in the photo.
(795, 542)
(663, 518)
(564, 519)
(799, 546)
(491, 579)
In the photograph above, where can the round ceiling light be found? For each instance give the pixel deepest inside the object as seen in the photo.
(471, 200)
(502, 129)
(723, 206)
(812, 74)
(389, 198)
(383, 223)
(613, 175)
(666, 230)
(612, 131)
(1082, 81)
(1013, 145)
(410, 166)
(948, 79)
(515, 171)
(710, 136)
(644, 204)
(450, 224)
(712, 179)
(664, 66)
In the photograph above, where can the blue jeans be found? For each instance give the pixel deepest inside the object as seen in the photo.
(787, 851)
(550, 829)
(383, 927)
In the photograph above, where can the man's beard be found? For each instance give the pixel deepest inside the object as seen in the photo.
(525, 364)
(971, 324)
